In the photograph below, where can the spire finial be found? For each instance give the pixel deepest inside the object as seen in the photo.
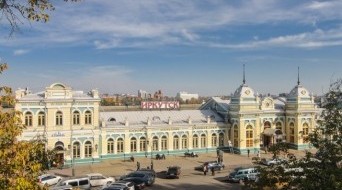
(298, 82)
(244, 77)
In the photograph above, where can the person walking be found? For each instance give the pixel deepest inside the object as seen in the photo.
(151, 165)
(258, 154)
(205, 169)
(212, 171)
(138, 165)
(248, 152)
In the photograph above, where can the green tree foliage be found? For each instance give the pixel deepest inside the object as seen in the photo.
(20, 161)
(320, 171)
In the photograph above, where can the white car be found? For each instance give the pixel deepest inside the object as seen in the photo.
(270, 162)
(97, 179)
(49, 179)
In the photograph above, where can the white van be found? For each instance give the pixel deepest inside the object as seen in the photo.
(240, 174)
(79, 182)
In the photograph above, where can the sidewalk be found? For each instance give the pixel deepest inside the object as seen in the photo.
(116, 168)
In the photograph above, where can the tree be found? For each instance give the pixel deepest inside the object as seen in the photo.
(320, 171)
(21, 161)
(34, 10)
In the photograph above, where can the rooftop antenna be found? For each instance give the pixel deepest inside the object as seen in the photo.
(244, 78)
(298, 82)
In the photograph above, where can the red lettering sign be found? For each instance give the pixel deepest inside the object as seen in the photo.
(160, 105)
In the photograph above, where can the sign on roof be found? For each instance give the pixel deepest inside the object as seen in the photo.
(160, 105)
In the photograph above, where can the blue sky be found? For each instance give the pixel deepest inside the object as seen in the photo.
(197, 46)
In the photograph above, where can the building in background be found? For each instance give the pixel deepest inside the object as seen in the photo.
(143, 95)
(184, 96)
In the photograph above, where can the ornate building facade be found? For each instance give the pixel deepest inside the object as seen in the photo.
(73, 124)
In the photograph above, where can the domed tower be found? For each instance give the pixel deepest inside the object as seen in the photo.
(300, 116)
(243, 113)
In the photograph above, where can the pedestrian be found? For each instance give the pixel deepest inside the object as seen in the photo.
(258, 154)
(138, 165)
(212, 171)
(248, 152)
(151, 165)
(205, 169)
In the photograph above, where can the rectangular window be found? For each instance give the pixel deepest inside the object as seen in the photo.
(142, 145)
(120, 146)
(110, 147)
(163, 144)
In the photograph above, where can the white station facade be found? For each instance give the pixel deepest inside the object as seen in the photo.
(74, 125)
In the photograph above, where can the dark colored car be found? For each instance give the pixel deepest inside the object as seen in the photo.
(139, 183)
(192, 154)
(173, 172)
(147, 170)
(144, 176)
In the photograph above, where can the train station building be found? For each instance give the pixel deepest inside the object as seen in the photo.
(81, 131)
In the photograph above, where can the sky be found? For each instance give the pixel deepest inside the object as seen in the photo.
(197, 46)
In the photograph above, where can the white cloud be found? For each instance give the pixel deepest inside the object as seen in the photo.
(20, 51)
(114, 24)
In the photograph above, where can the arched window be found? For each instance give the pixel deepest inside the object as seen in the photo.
(76, 118)
(28, 119)
(267, 124)
(120, 145)
(143, 143)
(236, 136)
(133, 144)
(292, 133)
(110, 146)
(278, 126)
(203, 141)
(175, 143)
(305, 133)
(249, 136)
(164, 143)
(195, 141)
(76, 150)
(88, 117)
(41, 119)
(214, 140)
(88, 150)
(155, 143)
(221, 139)
(59, 118)
(279, 132)
(184, 142)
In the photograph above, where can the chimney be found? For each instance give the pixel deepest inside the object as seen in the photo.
(149, 121)
(126, 122)
(208, 119)
(189, 120)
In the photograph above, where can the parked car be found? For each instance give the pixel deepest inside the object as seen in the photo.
(192, 154)
(211, 164)
(49, 179)
(270, 162)
(77, 182)
(216, 166)
(147, 170)
(97, 179)
(240, 174)
(173, 172)
(139, 183)
(146, 177)
(119, 185)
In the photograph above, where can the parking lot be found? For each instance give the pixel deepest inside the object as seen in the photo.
(189, 178)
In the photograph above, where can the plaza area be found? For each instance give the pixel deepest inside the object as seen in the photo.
(189, 178)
